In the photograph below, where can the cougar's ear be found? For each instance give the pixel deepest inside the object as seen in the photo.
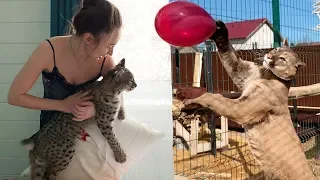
(285, 43)
(300, 64)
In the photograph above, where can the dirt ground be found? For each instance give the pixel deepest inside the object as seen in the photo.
(235, 163)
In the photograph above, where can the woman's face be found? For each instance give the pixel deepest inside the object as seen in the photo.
(104, 47)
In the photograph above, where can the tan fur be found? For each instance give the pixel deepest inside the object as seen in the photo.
(262, 108)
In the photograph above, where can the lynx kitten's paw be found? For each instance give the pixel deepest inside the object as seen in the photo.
(120, 157)
(121, 115)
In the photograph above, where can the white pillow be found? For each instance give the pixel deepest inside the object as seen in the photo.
(135, 138)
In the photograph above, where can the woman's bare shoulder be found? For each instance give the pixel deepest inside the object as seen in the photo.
(58, 41)
(108, 64)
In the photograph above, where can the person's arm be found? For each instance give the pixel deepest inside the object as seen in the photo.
(40, 59)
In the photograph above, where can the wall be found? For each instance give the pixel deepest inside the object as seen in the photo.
(149, 59)
(23, 25)
(263, 36)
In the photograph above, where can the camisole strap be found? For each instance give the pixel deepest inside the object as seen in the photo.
(54, 54)
(102, 66)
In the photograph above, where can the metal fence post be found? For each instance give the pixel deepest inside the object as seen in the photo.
(209, 79)
(276, 23)
(277, 43)
(177, 56)
(295, 106)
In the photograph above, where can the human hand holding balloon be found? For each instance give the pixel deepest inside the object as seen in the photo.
(182, 23)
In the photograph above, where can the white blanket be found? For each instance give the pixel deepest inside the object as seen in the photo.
(94, 158)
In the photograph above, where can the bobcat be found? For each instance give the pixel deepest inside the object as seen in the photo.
(52, 147)
(262, 107)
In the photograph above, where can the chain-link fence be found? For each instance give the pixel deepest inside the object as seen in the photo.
(207, 146)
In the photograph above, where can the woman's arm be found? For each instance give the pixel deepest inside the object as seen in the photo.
(41, 58)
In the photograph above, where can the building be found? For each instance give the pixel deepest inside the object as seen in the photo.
(251, 34)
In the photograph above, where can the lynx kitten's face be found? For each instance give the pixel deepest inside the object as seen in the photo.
(282, 62)
(126, 78)
(120, 78)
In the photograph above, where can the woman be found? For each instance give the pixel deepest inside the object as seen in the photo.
(67, 63)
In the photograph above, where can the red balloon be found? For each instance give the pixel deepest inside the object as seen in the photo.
(182, 23)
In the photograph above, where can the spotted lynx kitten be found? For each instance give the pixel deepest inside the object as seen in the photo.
(262, 107)
(52, 147)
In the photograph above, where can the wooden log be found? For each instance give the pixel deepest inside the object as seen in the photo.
(304, 91)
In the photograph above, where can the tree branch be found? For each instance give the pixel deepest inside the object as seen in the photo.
(304, 91)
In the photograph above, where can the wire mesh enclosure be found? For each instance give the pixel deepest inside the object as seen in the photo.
(208, 146)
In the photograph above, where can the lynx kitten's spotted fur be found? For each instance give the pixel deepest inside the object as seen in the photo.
(52, 147)
(262, 107)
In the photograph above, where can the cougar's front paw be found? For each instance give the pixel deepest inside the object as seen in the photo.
(187, 102)
(221, 36)
(221, 30)
(120, 157)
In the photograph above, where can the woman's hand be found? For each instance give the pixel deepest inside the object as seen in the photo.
(83, 111)
(79, 105)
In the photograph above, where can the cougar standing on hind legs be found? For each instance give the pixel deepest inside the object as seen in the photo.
(263, 107)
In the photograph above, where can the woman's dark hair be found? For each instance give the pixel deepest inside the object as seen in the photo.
(96, 17)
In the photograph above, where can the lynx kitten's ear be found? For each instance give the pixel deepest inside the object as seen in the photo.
(285, 43)
(121, 63)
